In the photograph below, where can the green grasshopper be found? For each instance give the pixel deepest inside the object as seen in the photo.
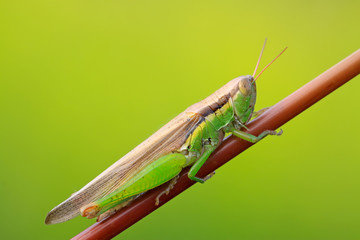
(187, 140)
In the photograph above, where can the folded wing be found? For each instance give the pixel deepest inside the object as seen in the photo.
(166, 140)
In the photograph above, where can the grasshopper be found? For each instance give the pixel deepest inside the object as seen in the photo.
(187, 140)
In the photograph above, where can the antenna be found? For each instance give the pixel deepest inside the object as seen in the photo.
(261, 53)
(270, 63)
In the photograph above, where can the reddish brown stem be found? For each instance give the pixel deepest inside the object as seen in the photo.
(273, 118)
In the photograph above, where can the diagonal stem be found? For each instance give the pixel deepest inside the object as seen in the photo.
(273, 118)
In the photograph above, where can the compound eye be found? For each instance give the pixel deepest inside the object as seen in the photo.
(244, 87)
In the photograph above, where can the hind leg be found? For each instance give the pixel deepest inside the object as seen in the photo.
(167, 190)
(111, 211)
(155, 174)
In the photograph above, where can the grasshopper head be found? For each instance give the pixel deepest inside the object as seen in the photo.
(244, 98)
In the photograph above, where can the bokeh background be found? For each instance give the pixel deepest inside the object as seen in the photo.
(84, 82)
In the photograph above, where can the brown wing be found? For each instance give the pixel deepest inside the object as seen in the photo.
(169, 138)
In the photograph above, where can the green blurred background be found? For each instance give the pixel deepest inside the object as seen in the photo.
(84, 82)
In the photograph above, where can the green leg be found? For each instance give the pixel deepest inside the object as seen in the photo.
(253, 139)
(198, 164)
(258, 113)
(116, 208)
(155, 174)
(167, 190)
